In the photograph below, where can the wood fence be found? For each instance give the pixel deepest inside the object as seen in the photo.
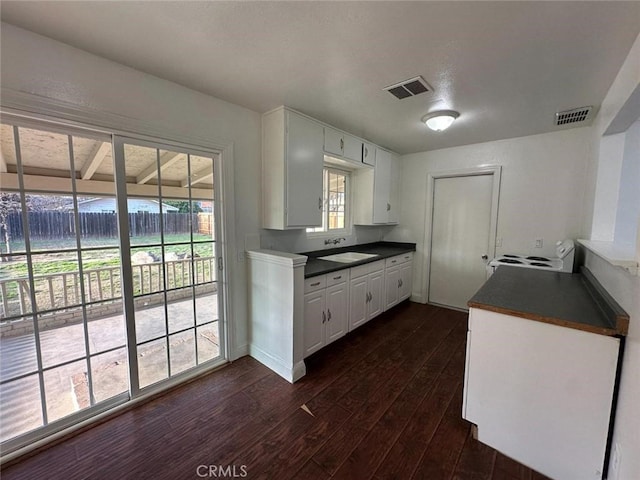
(54, 225)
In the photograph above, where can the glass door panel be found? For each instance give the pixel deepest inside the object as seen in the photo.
(173, 268)
(55, 281)
(84, 323)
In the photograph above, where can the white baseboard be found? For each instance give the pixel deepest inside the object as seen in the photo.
(290, 373)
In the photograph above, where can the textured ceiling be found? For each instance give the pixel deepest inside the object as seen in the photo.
(507, 67)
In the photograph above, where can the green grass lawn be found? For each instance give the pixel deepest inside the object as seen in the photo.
(50, 263)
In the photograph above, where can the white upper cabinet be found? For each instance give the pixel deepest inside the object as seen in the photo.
(292, 162)
(369, 154)
(342, 145)
(376, 191)
(394, 191)
(382, 187)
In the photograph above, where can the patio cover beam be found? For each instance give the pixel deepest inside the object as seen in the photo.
(98, 187)
(197, 177)
(95, 159)
(166, 160)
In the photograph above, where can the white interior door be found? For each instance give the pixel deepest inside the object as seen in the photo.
(460, 231)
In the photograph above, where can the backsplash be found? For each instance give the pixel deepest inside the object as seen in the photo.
(296, 241)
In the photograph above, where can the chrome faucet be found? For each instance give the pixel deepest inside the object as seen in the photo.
(334, 241)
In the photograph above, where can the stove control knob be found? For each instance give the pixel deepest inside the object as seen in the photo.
(562, 250)
(558, 243)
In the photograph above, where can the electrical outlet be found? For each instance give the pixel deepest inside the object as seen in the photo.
(539, 242)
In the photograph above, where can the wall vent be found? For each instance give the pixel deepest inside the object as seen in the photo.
(409, 88)
(573, 116)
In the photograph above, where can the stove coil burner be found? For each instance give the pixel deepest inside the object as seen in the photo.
(509, 260)
(538, 264)
(538, 259)
(511, 256)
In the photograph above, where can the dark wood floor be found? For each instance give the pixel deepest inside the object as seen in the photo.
(386, 403)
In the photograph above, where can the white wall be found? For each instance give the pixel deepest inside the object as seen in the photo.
(628, 211)
(623, 287)
(611, 150)
(297, 241)
(541, 195)
(45, 68)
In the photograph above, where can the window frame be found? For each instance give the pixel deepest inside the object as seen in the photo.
(312, 232)
(26, 441)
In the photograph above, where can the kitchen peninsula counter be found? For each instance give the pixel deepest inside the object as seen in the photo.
(544, 351)
(569, 300)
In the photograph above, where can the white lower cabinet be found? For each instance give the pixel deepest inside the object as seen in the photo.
(540, 393)
(326, 301)
(366, 297)
(398, 279)
(339, 302)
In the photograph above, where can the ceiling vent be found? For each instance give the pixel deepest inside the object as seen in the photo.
(409, 88)
(573, 116)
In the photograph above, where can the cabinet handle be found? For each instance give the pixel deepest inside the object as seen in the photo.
(324, 317)
(366, 152)
(329, 315)
(388, 207)
(314, 284)
(393, 261)
(401, 282)
(319, 203)
(398, 283)
(338, 277)
(341, 144)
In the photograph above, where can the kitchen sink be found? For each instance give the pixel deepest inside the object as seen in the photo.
(348, 257)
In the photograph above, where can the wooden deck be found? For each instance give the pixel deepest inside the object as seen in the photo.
(386, 403)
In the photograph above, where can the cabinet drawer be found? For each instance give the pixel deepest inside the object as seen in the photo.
(407, 257)
(359, 271)
(315, 283)
(376, 266)
(367, 268)
(337, 277)
(398, 259)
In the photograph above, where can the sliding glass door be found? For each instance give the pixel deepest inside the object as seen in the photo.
(109, 279)
(174, 285)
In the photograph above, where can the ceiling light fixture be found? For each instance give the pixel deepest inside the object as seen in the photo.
(440, 120)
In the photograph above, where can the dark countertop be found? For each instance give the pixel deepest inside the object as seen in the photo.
(315, 267)
(574, 300)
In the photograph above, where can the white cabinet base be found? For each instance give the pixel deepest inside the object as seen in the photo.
(540, 393)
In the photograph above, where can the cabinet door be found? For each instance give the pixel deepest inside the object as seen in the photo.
(376, 290)
(358, 294)
(394, 190)
(314, 322)
(333, 141)
(352, 148)
(337, 303)
(304, 172)
(369, 154)
(391, 286)
(381, 187)
(406, 280)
